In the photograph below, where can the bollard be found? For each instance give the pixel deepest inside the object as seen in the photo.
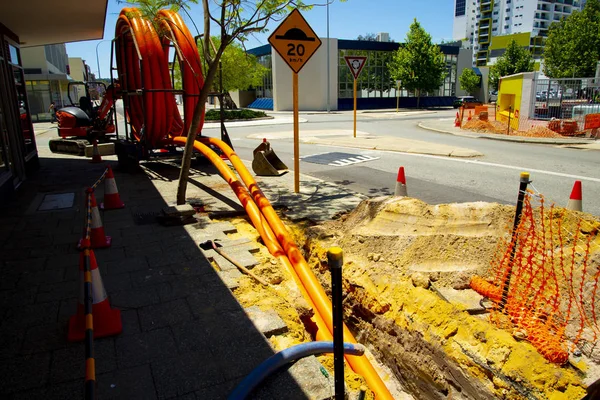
(362, 393)
(335, 258)
(519, 210)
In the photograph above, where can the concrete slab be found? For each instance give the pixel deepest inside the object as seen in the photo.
(104, 149)
(267, 322)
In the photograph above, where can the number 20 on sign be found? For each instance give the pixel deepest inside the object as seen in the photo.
(296, 42)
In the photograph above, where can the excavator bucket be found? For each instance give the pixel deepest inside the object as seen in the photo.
(266, 162)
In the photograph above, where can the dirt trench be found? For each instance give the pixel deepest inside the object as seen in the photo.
(395, 251)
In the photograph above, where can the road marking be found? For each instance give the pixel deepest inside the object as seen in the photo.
(489, 164)
(337, 159)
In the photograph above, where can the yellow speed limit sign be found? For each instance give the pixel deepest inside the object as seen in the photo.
(295, 41)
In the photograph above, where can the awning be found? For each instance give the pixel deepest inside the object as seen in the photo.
(477, 71)
(40, 22)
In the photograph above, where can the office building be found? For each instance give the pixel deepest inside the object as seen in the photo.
(489, 25)
(375, 87)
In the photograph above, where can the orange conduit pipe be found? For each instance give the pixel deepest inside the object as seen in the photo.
(143, 64)
(360, 364)
(262, 226)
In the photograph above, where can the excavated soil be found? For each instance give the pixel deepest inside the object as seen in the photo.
(394, 249)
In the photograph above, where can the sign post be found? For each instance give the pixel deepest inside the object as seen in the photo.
(398, 83)
(356, 64)
(296, 42)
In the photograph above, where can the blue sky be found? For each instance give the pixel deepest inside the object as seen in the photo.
(346, 21)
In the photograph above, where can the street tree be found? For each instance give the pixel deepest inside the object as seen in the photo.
(234, 21)
(514, 60)
(367, 37)
(241, 70)
(469, 80)
(419, 63)
(572, 48)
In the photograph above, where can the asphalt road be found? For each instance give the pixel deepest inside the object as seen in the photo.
(435, 179)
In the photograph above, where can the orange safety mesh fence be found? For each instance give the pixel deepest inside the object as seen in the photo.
(497, 122)
(552, 264)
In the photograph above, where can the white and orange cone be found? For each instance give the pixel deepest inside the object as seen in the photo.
(97, 235)
(95, 153)
(575, 201)
(112, 200)
(107, 321)
(400, 183)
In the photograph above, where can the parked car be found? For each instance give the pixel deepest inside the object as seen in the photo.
(467, 102)
(494, 96)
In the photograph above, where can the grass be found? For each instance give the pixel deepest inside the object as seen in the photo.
(215, 115)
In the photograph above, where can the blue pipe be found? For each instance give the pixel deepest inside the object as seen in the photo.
(287, 356)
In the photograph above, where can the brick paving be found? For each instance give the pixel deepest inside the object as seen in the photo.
(184, 334)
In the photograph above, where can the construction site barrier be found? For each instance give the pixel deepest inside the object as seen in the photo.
(514, 123)
(543, 283)
(81, 325)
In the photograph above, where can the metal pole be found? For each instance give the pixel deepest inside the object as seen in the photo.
(354, 107)
(296, 134)
(335, 258)
(328, 72)
(98, 59)
(518, 212)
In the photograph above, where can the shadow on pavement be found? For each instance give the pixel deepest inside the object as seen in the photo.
(184, 334)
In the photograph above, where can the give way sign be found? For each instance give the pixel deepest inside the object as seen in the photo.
(356, 64)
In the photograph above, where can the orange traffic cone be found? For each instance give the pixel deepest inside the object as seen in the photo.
(469, 118)
(97, 236)
(112, 200)
(575, 201)
(95, 153)
(400, 183)
(106, 321)
(457, 120)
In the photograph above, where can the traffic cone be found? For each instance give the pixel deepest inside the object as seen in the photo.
(95, 153)
(575, 201)
(457, 120)
(106, 321)
(469, 118)
(97, 236)
(112, 200)
(400, 183)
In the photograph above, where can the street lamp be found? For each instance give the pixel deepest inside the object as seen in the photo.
(98, 58)
(328, 73)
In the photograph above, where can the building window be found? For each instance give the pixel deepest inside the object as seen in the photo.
(461, 7)
(14, 55)
(265, 90)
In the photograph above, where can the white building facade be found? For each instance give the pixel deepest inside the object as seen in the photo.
(479, 21)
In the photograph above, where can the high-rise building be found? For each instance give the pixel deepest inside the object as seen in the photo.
(489, 25)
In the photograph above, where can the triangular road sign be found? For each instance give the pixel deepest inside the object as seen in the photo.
(356, 64)
(295, 41)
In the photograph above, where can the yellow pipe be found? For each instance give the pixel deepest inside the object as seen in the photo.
(263, 228)
(360, 364)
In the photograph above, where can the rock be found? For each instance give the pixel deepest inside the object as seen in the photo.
(461, 281)
(420, 280)
(370, 256)
(376, 257)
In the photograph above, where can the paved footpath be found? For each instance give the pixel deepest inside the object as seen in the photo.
(184, 334)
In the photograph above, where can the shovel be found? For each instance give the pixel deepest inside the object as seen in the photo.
(215, 246)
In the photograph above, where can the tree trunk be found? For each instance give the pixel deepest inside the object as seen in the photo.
(418, 97)
(198, 112)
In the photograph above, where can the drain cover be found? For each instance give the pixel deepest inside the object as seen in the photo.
(337, 159)
(57, 201)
